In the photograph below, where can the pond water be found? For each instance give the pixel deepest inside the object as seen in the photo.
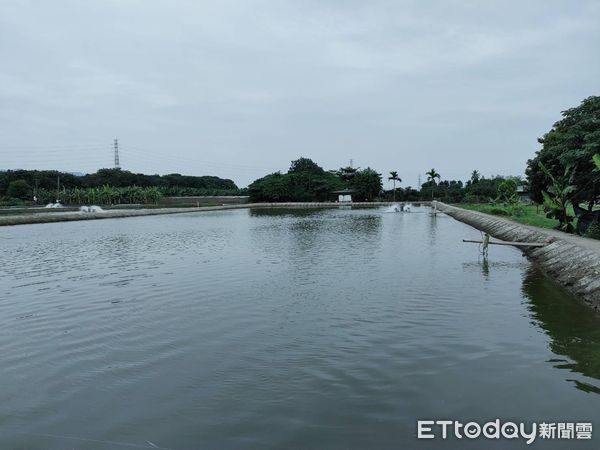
(325, 328)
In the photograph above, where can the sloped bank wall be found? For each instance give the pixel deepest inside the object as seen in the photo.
(571, 260)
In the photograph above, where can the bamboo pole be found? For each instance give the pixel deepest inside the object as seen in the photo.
(518, 244)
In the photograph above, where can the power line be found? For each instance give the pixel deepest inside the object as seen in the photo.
(54, 147)
(145, 155)
(92, 156)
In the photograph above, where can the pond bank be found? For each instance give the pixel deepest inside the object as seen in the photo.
(59, 216)
(573, 261)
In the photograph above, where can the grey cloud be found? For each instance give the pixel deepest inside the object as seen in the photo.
(239, 88)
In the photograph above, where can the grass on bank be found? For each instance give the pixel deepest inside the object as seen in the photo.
(525, 214)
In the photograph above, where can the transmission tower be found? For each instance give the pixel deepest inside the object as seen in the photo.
(116, 149)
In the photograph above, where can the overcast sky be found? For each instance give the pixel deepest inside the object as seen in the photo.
(240, 88)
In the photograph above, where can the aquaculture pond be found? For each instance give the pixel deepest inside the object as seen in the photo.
(282, 328)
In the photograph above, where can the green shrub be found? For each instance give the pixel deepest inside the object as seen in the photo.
(9, 201)
(507, 190)
(470, 198)
(497, 211)
(516, 210)
(19, 189)
(593, 231)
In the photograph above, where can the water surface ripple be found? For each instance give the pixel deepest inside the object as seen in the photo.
(331, 328)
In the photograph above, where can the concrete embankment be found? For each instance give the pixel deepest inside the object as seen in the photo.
(571, 260)
(59, 216)
(206, 199)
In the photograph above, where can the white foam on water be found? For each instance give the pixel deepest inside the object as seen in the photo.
(92, 208)
(395, 208)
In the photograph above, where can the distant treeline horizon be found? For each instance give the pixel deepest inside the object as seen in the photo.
(306, 181)
(31, 181)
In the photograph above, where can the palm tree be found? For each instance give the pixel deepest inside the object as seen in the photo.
(431, 176)
(394, 177)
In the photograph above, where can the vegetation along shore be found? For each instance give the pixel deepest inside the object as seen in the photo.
(561, 188)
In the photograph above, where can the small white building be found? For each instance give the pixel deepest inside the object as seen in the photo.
(344, 195)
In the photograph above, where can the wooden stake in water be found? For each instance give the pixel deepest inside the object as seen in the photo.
(486, 242)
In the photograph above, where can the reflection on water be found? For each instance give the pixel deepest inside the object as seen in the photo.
(285, 212)
(485, 267)
(432, 223)
(488, 265)
(329, 328)
(572, 327)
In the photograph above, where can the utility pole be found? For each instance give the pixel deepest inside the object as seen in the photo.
(419, 182)
(116, 150)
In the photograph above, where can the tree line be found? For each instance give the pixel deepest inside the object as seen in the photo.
(49, 185)
(563, 176)
(565, 172)
(306, 181)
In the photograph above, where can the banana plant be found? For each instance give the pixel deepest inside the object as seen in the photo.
(153, 194)
(557, 198)
(104, 195)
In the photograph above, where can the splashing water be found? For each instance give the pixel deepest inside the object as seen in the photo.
(92, 208)
(395, 208)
